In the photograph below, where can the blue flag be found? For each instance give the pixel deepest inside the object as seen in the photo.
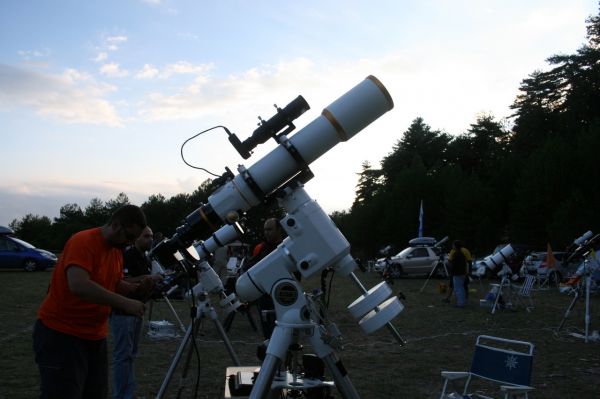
(421, 220)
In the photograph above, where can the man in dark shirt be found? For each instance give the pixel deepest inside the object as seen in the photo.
(126, 329)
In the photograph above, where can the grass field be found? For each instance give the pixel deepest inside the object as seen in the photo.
(439, 337)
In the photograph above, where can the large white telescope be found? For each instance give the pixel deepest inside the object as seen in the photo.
(339, 121)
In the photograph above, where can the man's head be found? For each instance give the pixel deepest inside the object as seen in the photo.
(124, 226)
(273, 232)
(144, 242)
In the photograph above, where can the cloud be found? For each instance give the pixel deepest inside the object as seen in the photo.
(113, 42)
(31, 54)
(205, 95)
(147, 72)
(113, 70)
(102, 56)
(73, 96)
(183, 67)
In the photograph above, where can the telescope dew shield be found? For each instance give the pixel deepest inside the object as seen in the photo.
(340, 121)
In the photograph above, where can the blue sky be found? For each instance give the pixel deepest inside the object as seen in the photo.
(96, 97)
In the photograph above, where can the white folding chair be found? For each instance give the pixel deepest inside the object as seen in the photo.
(525, 293)
(504, 361)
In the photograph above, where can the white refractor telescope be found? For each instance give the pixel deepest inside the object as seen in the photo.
(313, 244)
(339, 121)
(498, 259)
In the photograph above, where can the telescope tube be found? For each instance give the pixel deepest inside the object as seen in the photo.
(340, 121)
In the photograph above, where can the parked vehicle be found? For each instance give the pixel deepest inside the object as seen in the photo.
(422, 255)
(16, 253)
(535, 264)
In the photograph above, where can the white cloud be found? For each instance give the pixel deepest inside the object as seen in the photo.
(73, 96)
(113, 42)
(206, 96)
(113, 70)
(30, 54)
(102, 56)
(147, 72)
(183, 67)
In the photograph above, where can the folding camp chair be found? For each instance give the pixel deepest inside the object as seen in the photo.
(504, 361)
(525, 292)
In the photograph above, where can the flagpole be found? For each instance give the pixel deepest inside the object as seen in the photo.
(420, 233)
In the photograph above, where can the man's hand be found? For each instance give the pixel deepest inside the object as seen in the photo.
(82, 286)
(133, 307)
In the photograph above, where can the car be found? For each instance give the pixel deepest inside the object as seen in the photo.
(421, 257)
(535, 264)
(18, 254)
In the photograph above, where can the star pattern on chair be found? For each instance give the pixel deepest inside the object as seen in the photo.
(511, 362)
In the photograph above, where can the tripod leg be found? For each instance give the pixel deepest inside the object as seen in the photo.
(175, 361)
(429, 277)
(229, 321)
(568, 311)
(215, 319)
(262, 386)
(250, 319)
(340, 377)
(498, 295)
(588, 286)
(181, 326)
(278, 346)
(335, 366)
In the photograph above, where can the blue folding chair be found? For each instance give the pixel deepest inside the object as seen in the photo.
(504, 361)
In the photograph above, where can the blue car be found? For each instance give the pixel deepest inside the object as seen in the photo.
(18, 254)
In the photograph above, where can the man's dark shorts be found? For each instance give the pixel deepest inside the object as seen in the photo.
(70, 367)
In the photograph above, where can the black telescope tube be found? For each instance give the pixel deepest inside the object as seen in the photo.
(200, 223)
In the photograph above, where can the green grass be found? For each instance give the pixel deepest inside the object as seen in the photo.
(439, 337)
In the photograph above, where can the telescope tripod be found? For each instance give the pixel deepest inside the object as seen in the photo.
(434, 271)
(505, 294)
(578, 293)
(293, 326)
(204, 308)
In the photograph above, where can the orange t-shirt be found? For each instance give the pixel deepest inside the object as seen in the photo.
(66, 312)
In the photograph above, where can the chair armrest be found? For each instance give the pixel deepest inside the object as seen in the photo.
(455, 375)
(514, 389)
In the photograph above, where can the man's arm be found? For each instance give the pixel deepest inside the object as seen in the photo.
(81, 285)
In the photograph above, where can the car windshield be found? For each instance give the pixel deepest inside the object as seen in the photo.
(23, 243)
(403, 252)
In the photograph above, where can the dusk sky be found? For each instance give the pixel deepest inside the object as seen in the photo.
(96, 97)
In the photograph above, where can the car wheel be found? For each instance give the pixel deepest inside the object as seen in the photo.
(30, 265)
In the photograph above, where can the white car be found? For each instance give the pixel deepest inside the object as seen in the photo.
(419, 258)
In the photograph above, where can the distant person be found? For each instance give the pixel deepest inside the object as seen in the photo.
(273, 236)
(69, 337)
(126, 328)
(158, 238)
(460, 261)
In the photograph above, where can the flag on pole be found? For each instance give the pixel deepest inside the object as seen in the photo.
(550, 259)
(421, 220)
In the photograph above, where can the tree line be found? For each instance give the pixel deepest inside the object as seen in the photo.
(530, 180)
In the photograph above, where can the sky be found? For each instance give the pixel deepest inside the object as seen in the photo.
(97, 97)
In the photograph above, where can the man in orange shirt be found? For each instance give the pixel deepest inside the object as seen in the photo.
(69, 337)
